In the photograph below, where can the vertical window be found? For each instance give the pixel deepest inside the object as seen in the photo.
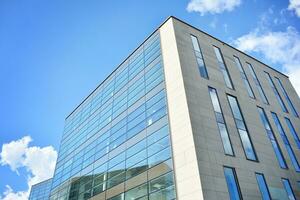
(232, 183)
(272, 138)
(278, 97)
(258, 85)
(288, 189)
(242, 129)
(244, 77)
(220, 121)
(287, 97)
(263, 186)
(293, 131)
(286, 142)
(199, 57)
(223, 68)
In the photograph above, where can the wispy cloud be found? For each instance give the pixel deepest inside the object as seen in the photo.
(278, 47)
(38, 162)
(212, 6)
(294, 5)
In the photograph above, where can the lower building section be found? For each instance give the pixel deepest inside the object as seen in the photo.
(41, 191)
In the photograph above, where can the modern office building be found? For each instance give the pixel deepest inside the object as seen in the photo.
(41, 191)
(185, 116)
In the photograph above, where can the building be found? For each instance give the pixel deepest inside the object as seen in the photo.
(41, 191)
(185, 116)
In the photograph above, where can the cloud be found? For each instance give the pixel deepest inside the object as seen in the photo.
(281, 47)
(295, 6)
(38, 162)
(9, 194)
(212, 6)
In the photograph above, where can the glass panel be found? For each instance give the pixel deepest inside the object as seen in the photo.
(161, 182)
(244, 76)
(242, 129)
(288, 189)
(293, 131)
(286, 142)
(278, 97)
(199, 57)
(223, 67)
(272, 138)
(136, 192)
(263, 186)
(258, 85)
(232, 184)
(287, 97)
(220, 121)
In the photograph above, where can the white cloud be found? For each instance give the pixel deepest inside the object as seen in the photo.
(212, 6)
(295, 5)
(9, 194)
(38, 162)
(282, 47)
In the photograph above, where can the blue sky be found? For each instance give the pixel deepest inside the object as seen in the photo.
(54, 53)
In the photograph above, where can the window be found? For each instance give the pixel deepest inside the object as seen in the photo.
(199, 57)
(287, 97)
(293, 131)
(278, 97)
(232, 183)
(286, 142)
(288, 189)
(242, 128)
(244, 77)
(223, 68)
(162, 187)
(272, 138)
(137, 192)
(263, 186)
(258, 85)
(221, 122)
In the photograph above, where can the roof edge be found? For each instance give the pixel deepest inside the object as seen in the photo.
(224, 43)
(167, 19)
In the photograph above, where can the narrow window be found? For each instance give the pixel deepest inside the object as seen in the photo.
(199, 57)
(244, 77)
(272, 138)
(242, 128)
(286, 142)
(263, 186)
(223, 68)
(287, 97)
(257, 83)
(293, 131)
(278, 97)
(232, 183)
(288, 189)
(220, 121)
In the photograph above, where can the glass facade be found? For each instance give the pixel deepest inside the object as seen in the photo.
(199, 57)
(221, 121)
(232, 183)
(223, 67)
(118, 133)
(288, 189)
(258, 85)
(278, 97)
(286, 142)
(242, 128)
(293, 131)
(287, 97)
(265, 194)
(272, 138)
(244, 77)
(41, 191)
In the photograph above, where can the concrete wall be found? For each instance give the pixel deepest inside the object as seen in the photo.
(197, 147)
